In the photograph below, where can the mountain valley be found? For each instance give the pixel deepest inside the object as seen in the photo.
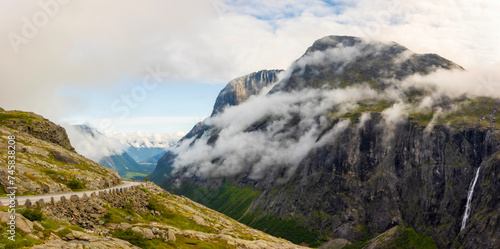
(353, 140)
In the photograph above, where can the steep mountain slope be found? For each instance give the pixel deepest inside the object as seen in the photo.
(154, 160)
(45, 160)
(124, 164)
(144, 154)
(240, 89)
(353, 141)
(236, 92)
(145, 217)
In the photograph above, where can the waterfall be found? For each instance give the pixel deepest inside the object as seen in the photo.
(469, 199)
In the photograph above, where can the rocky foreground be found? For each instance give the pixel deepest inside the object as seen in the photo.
(145, 217)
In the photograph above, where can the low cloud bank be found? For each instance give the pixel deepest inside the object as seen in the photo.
(274, 132)
(95, 145)
(141, 139)
(92, 144)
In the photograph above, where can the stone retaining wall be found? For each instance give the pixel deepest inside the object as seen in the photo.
(74, 197)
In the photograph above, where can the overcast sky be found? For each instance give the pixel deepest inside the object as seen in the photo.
(158, 66)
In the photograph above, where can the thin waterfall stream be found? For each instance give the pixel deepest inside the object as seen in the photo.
(469, 199)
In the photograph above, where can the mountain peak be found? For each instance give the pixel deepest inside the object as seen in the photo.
(340, 61)
(240, 89)
(332, 41)
(339, 42)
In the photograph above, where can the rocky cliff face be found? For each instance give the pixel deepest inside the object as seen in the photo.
(363, 185)
(36, 126)
(45, 160)
(346, 147)
(240, 89)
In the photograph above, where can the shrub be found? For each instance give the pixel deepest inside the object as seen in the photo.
(74, 184)
(50, 224)
(75, 228)
(114, 216)
(128, 207)
(154, 205)
(35, 214)
(62, 233)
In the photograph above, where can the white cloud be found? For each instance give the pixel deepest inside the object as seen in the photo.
(295, 125)
(156, 124)
(94, 146)
(456, 83)
(365, 117)
(141, 139)
(99, 42)
(299, 121)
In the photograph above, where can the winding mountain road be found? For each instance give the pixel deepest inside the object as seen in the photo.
(47, 197)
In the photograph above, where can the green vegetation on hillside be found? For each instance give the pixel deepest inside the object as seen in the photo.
(234, 201)
(22, 239)
(364, 107)
(230, 200)
(167, 216)
(10, 115)
(358, 245)
(411, 239)
(403, 238)
(285, 228)
(172, 218)
(466, 112)
(134, 176)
